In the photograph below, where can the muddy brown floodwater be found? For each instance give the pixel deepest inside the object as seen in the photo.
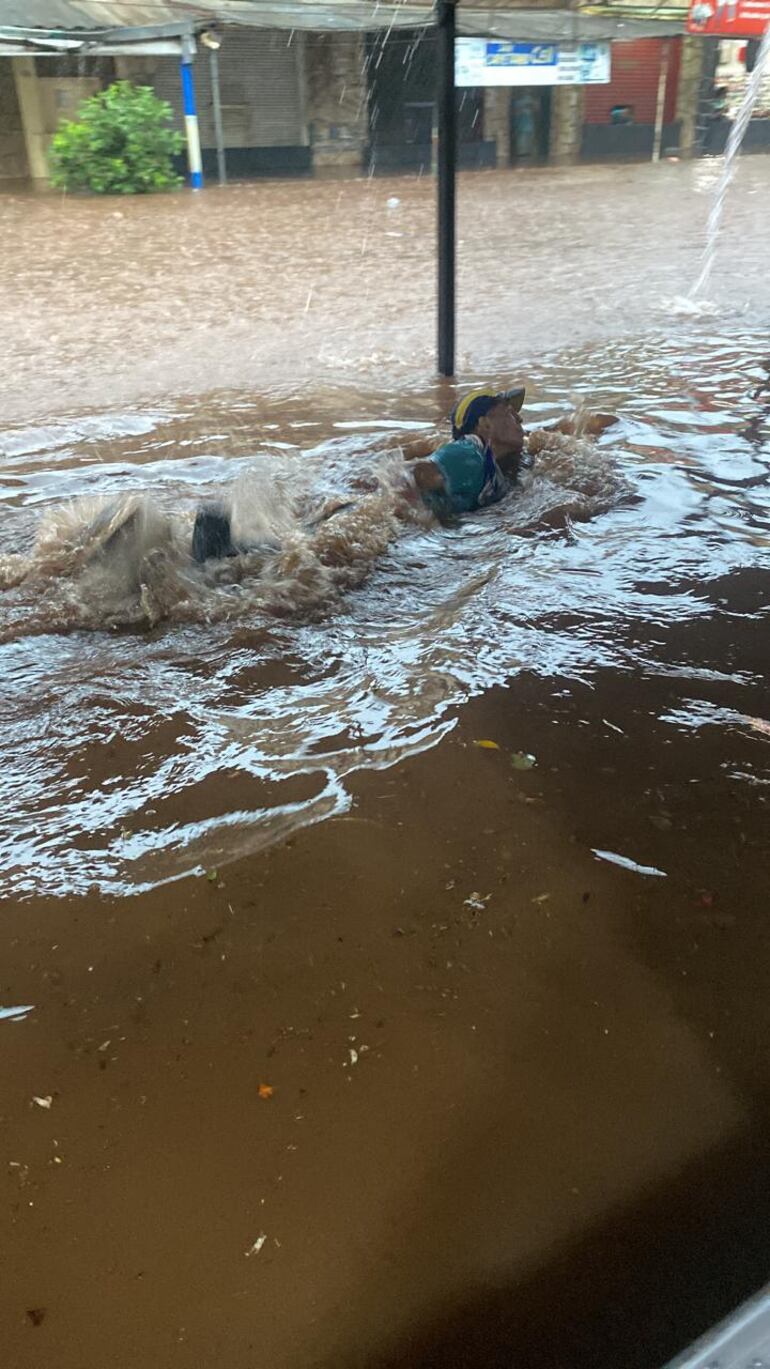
(384, 926)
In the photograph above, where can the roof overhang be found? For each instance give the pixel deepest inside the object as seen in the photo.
(78, 33)
(163, 40)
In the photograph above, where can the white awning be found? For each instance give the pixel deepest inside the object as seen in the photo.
(164, 47)
(162, 40)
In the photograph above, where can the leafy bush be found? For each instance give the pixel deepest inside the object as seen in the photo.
(119, 144)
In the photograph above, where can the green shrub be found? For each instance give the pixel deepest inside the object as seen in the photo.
(119, 144)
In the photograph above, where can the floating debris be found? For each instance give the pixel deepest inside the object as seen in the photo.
(265, 1090)
(44, 1102)
(257, 1246)
(627, 864)
(487, 745)
(522, 760)
(477, 901)
(16, 1014)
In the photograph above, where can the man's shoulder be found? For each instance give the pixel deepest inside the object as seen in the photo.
(462, 445)
(462, 464)
(459, 449)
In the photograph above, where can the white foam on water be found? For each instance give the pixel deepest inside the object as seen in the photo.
(683, 306)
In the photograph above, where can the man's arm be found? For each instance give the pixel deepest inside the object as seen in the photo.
(428, 477)
(418, 448)
(585, 425)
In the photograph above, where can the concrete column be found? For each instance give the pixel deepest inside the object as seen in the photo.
(301, 40)
(33, 122)
(337, 99)
(497, 120)
(566, 124)
(13, 153)
(689, 92)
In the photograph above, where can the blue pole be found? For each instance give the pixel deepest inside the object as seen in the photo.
(191, 123)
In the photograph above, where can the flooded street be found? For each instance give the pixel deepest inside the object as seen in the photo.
(289, 288)
(384, 932)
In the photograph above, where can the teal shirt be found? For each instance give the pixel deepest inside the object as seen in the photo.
(472, 477)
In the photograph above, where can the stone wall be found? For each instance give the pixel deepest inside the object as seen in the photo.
(13, 152)
(497, 120)
(337, 110)
(566, 124)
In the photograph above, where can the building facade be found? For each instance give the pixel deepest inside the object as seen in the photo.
(301, 103)
(619, 118)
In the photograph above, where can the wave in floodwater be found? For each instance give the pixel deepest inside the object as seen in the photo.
(126, 561)
(163, 717)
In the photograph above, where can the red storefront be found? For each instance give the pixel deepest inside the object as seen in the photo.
(619, 118)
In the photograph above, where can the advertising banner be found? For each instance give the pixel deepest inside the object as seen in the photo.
(732, 19)
(494, 62)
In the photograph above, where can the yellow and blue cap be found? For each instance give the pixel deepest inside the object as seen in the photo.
(476, 403)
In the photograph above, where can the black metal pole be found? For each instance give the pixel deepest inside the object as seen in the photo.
(447, 147)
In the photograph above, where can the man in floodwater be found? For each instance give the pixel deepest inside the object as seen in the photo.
(478, 467)
(480, 464)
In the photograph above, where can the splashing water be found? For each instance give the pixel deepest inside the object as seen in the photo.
(101, 562)
(734, 141)
(334, 645)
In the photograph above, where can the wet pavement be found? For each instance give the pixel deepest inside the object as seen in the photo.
(348, 1041)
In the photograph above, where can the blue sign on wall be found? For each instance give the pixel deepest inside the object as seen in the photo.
(496, 62)
(501, 54)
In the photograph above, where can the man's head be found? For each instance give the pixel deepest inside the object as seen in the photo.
(494, 417)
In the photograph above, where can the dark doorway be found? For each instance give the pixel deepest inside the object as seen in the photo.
(418, 123)
(530, 125)
(401, 78)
